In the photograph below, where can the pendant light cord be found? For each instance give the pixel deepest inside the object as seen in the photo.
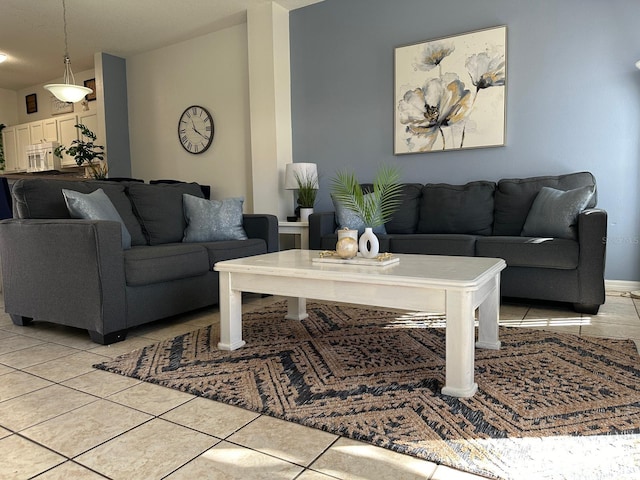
(68, 74)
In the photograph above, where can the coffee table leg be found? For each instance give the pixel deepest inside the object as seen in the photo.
(230, 315)
(488, 315)
(460, 348)
(296, 308)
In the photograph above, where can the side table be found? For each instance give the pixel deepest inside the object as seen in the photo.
(300, 229)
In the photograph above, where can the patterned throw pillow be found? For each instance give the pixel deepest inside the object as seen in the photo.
(213, 220)
(95, 206)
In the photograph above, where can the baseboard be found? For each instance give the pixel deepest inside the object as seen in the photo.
(621, 286)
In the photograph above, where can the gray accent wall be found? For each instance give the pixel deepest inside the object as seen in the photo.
(114, 78)
(573, 97)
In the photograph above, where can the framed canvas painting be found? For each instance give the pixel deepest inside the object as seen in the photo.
(450, 93)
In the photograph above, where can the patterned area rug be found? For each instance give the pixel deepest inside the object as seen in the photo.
(549, 405)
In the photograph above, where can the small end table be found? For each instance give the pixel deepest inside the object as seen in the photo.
(300, 229)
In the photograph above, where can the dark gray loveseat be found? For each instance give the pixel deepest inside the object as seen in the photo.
(75, 272)
(486, 219)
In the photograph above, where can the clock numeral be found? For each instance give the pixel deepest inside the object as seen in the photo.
(184, 139)
(207, 119)
(208, 128)
(195, 148)
(183, 131)
(194, 110)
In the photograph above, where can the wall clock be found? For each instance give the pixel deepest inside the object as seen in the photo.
(195, 129)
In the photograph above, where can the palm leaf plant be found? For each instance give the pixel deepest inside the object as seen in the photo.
(375, 208)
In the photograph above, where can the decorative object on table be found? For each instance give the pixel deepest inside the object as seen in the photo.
(373, 208)
(302, 177)
(32, 102)
(374, 375)
(91, 83)
(195, 129)
(347, 244)
(85, 151)
(450, 93)
(67, 91)
(380, 260)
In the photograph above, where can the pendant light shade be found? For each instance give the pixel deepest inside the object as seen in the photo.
(67, 91)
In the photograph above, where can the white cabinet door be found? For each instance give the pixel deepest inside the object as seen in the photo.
(50, 129)
(36, 132)
(67, 133)
(89, 120)
(23, 140)
(10, 149)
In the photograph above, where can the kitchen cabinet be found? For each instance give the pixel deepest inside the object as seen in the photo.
(23, 140)
(50, 129)
(10, 149)
(67, 133)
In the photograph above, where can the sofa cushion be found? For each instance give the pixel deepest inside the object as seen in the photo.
(95, 206)
(514, 197)
(405, 219)
(42, 198)
(146, 265)
(466, 209)
(159, 208)
(557, 253)
(554, 213)
(212, 220)
(231, 249)
(433, 244)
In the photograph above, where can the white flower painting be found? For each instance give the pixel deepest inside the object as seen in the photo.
(450, 93)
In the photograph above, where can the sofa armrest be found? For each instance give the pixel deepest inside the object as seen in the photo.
(320, 224)
(592, 236)
(262, 226)
(65, 271)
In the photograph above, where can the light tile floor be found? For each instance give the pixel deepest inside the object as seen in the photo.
(61, 419)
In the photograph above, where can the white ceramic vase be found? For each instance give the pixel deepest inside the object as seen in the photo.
(368, 244)
(304, 214)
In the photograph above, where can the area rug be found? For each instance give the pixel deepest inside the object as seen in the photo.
(549, 405)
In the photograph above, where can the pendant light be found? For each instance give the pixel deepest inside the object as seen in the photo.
(67, 91)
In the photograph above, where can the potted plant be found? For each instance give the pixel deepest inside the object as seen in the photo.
(374, 208)
(86, 152)
(307, 192)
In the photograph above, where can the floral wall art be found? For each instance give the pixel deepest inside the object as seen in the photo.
(450, 93)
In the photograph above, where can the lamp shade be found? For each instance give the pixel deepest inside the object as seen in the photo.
(67, 92)
(300, 171)
(638, 64)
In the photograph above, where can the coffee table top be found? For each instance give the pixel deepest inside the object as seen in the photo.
(411, 269)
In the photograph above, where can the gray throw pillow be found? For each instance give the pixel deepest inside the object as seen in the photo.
(349, 219)
(554, 213)
(95, 206)
(212, 220)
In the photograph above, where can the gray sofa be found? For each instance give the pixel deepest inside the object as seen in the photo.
(76, 272)
(487, 219)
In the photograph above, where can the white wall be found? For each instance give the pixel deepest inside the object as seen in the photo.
(211, 71)
(8, 107)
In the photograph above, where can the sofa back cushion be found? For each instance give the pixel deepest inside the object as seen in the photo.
(159, 208)
(42, 198)
(448, 208)
(514, 198)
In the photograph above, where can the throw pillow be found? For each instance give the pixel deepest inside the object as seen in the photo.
(213, 220)
(351, 220)
(554, 213)
(95, 206)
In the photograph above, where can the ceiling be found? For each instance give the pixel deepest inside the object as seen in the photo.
(32, 33)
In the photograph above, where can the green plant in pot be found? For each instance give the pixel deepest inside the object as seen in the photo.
(86, 152)
(307, 192)
(374, 208)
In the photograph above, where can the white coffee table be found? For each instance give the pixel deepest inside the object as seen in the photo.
(456, 286)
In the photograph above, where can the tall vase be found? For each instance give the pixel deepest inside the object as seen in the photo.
(368, 244)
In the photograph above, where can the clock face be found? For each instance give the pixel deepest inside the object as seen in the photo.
(195, 129)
